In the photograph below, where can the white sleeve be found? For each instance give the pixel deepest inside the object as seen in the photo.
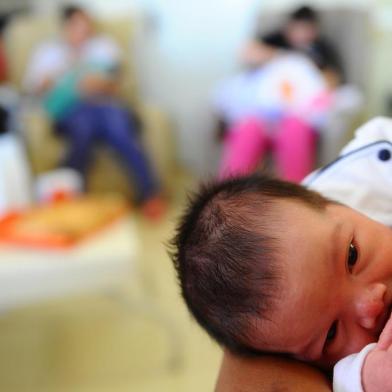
(48, 60)
(104, 50)
(347, 372)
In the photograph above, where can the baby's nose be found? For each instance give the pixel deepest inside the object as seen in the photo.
(369, 304)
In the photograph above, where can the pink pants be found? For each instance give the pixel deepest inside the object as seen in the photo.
(293, 144)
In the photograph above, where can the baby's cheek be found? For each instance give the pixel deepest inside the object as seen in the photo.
(356, 344)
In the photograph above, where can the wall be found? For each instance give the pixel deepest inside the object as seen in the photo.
(189, 46)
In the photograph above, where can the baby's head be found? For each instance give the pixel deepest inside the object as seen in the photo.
(269, 266)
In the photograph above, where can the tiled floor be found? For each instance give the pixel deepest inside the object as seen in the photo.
(95, 343)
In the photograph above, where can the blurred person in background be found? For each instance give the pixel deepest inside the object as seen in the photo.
(280, 102)
(77, 77)
(273, 104)
(301, 32)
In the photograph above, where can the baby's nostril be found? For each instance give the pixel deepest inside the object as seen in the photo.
(384, 155)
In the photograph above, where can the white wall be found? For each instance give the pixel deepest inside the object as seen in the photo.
(184, 47)
(191, 45)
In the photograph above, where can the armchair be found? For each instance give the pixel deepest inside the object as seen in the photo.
(44, 148)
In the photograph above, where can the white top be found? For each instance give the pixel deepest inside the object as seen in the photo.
(15, 180)
(288, 83)
(360, 178)
(55, 57)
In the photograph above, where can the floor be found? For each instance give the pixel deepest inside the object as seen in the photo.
(96, 343)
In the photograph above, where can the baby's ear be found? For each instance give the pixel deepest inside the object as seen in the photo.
(385, 340)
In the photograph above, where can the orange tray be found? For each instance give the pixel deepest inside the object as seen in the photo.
(12, 230)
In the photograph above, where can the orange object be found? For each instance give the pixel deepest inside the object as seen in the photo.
(63, 223)
(61, 195)
(154, 208)
(287, 90)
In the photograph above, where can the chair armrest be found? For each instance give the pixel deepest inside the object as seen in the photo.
(158, 140)
(43, 147)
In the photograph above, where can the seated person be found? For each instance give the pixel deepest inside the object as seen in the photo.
(267, 266)
(77, 76)
(275, 104)
(301, 32)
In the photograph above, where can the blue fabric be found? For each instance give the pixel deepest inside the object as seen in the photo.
(65, 93)
(106, 121)
(62, 96)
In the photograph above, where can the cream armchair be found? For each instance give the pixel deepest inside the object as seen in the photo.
(45, 149)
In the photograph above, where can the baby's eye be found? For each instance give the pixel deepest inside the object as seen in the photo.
(352, 256)
(332, 332)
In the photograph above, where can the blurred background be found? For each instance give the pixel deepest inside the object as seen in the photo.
(88, 296)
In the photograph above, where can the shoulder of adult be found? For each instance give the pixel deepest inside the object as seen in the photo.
(104, 40)
(49, 45)
(268, 374)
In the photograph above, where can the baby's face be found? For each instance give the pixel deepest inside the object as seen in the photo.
(337, 277)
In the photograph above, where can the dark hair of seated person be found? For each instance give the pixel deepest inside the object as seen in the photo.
(4, 117)
(275, 40)
(69, 10)
(225, 255)
(304, 14)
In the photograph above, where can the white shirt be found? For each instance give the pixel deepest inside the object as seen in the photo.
(361, 177)
(288, 83)
(55, 57)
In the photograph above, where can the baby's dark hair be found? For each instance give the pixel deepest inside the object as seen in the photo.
(226, 256)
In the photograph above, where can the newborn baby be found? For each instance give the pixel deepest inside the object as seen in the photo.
(270, 266)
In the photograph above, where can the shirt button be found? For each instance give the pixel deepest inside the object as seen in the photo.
(384, 155)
